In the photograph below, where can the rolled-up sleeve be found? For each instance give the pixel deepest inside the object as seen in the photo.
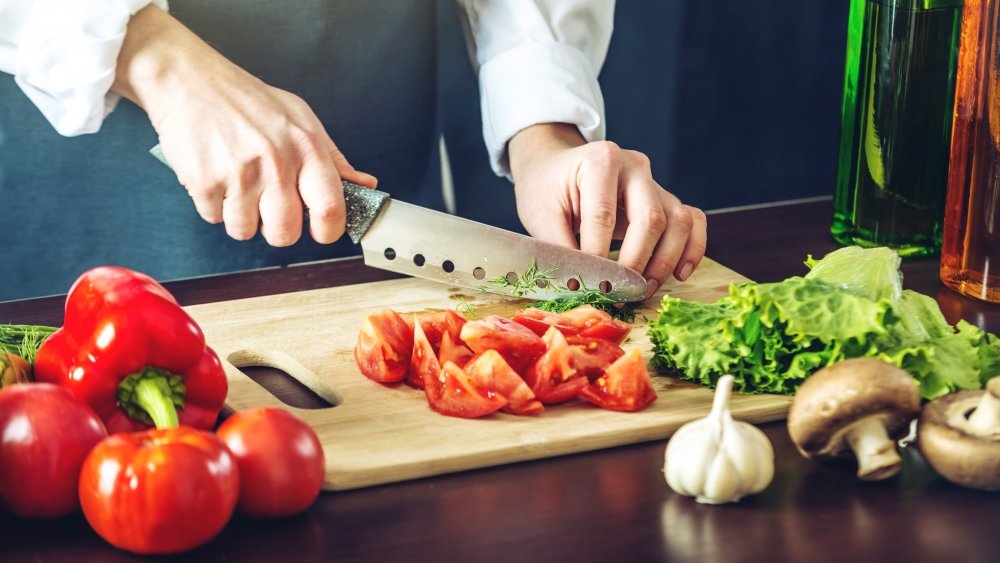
(63, 54)
(538, 62)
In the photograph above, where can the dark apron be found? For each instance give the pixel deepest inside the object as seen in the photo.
(367, 68)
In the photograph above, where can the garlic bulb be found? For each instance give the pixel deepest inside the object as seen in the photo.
(717, 459)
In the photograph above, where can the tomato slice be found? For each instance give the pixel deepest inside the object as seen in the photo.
(454, 351)
(552, 377)
(384, 347)
(517, 344)
(490, 371)
(595, 323)
(592, 356)
(625, 386)
(436, 324)
(584, 320)
(425, 370)
(460, 397)
(539, 321)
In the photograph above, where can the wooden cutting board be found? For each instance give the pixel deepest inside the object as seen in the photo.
(379, 434)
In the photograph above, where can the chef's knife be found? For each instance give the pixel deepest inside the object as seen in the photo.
(409, 239)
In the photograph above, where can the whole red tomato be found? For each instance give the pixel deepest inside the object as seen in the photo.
(45, 434)
(280, 458)
(160, 491)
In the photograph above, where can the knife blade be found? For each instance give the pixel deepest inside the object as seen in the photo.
(413, 240)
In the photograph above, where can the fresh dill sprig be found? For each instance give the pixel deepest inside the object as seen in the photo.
(573, 298)
(23, 340)
(528, 282)
(464, 305)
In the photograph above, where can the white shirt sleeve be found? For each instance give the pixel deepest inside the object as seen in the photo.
(538, 63)
(63, 53)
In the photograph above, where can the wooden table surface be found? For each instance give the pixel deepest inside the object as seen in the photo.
(611, 505)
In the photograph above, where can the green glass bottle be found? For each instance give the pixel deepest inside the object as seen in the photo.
(899, 83)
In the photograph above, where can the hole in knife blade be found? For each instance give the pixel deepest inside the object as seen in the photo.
(418, 259)
(448, 266)
(605, 286)
(478, 273)
(511, 277)
(390, 254)
(573, 284)
(542, 283)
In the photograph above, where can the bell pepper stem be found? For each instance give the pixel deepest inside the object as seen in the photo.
(152, 396)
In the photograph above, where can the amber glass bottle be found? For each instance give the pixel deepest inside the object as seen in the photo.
(970, 253)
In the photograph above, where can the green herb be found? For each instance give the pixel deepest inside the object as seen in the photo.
(464, 305)
(570, 299)
(23, 340)
(772, 336)
(531, 280)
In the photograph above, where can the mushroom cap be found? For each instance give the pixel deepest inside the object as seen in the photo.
(836, 397)
(958, 455)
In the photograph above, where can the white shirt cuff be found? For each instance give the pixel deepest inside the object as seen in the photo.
(67, 55)
(538, 83)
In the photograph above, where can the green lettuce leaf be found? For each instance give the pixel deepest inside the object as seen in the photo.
(771, 337)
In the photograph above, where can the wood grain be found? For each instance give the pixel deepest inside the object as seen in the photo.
(379, 434)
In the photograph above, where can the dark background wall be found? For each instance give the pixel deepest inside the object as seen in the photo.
(735, 102)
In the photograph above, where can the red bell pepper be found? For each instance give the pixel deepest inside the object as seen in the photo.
(133, 354)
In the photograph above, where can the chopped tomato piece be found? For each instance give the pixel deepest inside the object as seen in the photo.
(539, 321)
(595, 323)
(552, 377)
(625, 386)
(592, 356)
(454, 351)
(424, 365)
(459, 396)
(517, 344)
(436, 324)
(584, 320)
(490, 371)
(384, 347)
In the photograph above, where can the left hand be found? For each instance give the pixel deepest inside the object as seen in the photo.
(565, 186)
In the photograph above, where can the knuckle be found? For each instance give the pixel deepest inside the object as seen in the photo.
(281, 237)
(655, 220)
(639, 158)
(681, 218)
(605, 153)
(240, 232)
(602, 217)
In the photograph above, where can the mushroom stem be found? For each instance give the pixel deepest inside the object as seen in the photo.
(876, 453)
(985, 419)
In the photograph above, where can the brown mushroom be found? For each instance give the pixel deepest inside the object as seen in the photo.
(959, 435)
(861, 405)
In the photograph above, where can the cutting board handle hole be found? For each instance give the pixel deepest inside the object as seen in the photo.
(288, 380)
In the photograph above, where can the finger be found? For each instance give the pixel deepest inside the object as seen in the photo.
(346, 170)
(281, 211)
(240, 211)
(323, 194)
(555, 227)
(668, 250)
(597, 179)
(208, 203)
(697, 242)
(646, 221)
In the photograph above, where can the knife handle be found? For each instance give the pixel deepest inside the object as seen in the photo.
(363, 204)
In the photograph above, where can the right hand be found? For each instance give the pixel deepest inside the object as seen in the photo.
(249, 154)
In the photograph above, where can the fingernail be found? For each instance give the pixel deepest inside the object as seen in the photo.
(651, 287)
(685, 271)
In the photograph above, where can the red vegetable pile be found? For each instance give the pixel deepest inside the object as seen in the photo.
(129, 361)
(474, 368)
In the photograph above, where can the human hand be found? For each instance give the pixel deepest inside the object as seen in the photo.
(249, 154)
(565, 186)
